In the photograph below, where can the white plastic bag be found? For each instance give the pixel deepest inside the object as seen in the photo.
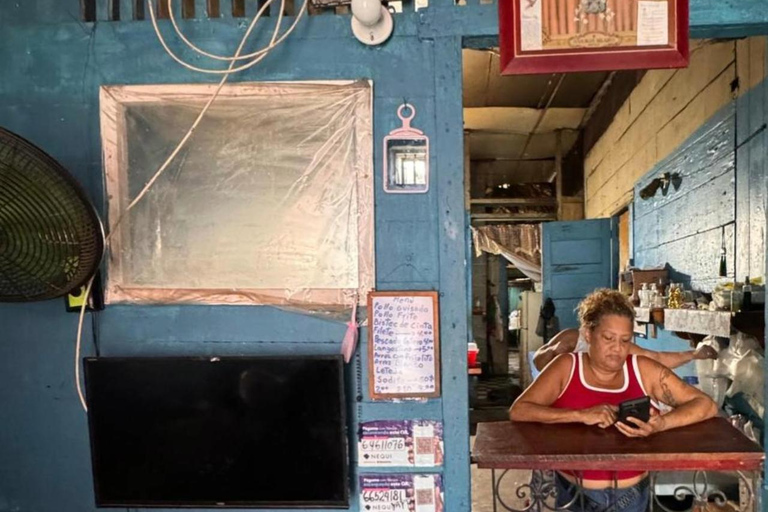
(710, 367)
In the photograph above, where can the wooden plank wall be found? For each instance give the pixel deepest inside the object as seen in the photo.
(722, 194)
(660, 113)
(685, 226)
(687, 122)
(751, 150)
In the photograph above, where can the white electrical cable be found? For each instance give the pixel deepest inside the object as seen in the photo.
(77, 344)
(234, 59)
(226, 58)
(274, 41)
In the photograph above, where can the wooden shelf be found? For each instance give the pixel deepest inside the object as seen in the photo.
(515, 201)
(649, 315)
(693, 325)
(512, 217)
(696, 321)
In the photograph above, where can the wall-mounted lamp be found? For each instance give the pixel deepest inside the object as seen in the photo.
(371, 22)
(662, 182)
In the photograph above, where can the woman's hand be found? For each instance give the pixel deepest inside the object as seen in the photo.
(601, 415)
(643, 429)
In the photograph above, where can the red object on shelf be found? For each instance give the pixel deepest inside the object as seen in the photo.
(472, 357)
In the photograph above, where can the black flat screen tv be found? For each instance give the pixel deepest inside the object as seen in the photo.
(218, 432)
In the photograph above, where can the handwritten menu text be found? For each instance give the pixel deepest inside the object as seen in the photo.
(404, 345)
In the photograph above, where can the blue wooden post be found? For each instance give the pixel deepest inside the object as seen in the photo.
(454, 262)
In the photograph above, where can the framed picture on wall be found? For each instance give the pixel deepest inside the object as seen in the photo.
(560, 36)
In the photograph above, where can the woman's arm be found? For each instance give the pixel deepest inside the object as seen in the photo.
(690, 405)
(564, 342)
(675, 359)
(534, 404)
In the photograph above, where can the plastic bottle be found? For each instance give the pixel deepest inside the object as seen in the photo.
(643, 293)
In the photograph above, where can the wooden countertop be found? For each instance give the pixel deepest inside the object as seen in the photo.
(713, 445)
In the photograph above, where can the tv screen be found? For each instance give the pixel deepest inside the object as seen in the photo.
(218, 432)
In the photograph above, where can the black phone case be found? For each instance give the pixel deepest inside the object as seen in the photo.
(639, 408)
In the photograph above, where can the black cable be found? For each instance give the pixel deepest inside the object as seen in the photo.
(95, 327)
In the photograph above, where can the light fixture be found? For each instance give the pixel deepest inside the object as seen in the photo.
(662, 182)
(372, 23)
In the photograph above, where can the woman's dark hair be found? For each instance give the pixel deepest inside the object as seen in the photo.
(601, 302)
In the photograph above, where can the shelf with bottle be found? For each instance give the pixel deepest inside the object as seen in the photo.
(692, 324)
(691, 317)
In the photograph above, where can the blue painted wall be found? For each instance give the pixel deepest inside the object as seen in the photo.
(722, 193)
(53, 66)
(684, 227)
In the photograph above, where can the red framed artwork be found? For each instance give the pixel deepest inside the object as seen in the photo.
(560, 36)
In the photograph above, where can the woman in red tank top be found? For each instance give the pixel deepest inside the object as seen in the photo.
(588, 387)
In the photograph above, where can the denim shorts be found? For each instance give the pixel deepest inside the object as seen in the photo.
(630, 499)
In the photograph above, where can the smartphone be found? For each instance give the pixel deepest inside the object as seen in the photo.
(639, 408)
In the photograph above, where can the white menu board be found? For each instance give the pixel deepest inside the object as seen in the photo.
(403, 345)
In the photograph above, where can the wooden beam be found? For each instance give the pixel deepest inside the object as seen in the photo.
(559, 172)
(523, 119)
(503, 159)
(478, 23)
(88, 10)
(138, 9)
(597, 98)
(114, 10)
(512, 217)
(214, 11)
(161, 7)
(516, 201)
(603, 110)
(467, 179)
(188, 9)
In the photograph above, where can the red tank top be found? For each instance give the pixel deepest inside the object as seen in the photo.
(580, 395)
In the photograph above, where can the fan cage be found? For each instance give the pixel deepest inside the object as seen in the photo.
(51, 238)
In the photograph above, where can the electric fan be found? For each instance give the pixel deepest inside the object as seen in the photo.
(51, 238)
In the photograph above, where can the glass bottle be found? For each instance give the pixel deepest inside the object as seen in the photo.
(675, 300)
(746, 297)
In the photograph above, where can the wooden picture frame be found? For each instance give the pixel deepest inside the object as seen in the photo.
(562, 36)
(393, 327)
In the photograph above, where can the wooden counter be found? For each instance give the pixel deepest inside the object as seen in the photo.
(710, 445)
